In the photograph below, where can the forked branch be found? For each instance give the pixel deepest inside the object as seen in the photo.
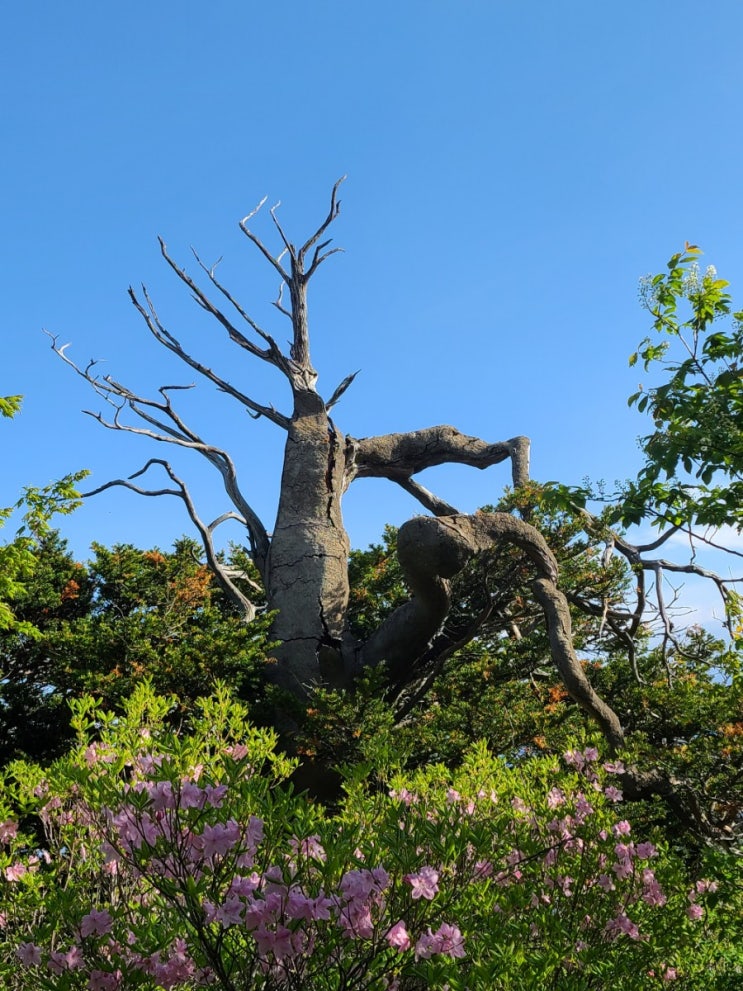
(170, 428)
(206, 532)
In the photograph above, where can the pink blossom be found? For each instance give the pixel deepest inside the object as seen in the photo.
(705, 885)
(230, 912)
(57, 962)
(622, 869)
(450, 941)
(321, 906)
(244, 886)
(29, 954)
(95, 923)
(447, 940)
(219, 839)
(8, 831)
(359, 884)
(191, 796)
(518, 804)
(398, 937)
(555, 798)
(74, 958)
(15, 872)
(614, 767)
(309, 847)
(277, 941)
(622, 924)
(453, 796)
(646, 851)
(424, 883)
(695, 912)
(605, 882)
(101, 980)
(404, 796)
(574, 758)
(162, 795)
(482, 869)
(670, 974)
(613, 794)
(622, 828)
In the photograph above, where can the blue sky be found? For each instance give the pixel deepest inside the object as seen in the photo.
(513, 169)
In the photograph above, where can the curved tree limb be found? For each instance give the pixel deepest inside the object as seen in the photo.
(432, 550)
(398, 456)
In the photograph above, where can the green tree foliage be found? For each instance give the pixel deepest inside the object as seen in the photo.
(102, 626)
(17, 557)
(693, 470)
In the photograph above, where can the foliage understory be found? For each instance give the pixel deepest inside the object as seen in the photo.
(150, 859)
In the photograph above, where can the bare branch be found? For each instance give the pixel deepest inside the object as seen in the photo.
(341, 389)
(439, 507)
(259, 244)
(222, 575)
(273, 353)
(170, 428)
(318, 258)
(170, 342)
(278, 302)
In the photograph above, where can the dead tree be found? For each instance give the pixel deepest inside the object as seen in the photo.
(303, 560)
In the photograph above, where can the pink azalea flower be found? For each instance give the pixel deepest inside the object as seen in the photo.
(8, 831)
(29, 954)
(622, 924)
(614, 767)
(219, 839)
(102, 980)
(215, 795)
(74, 958)
(162, 795)
(56, 962)
(398, 937)
(622, 828)
(695, 912)
(645, 851)
(278, 942)
(309, 847)
(15, 872)
(191, 797)
(95, 923)
(230, 913)
(450, 940)
(424, 883)
(613, 794)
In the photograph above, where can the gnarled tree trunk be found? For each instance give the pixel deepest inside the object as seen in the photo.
(304, 561)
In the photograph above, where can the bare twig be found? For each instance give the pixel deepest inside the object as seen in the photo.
(222, 575)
